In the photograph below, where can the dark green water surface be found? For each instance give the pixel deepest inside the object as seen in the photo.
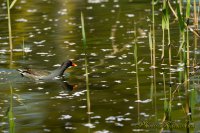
(51, 32)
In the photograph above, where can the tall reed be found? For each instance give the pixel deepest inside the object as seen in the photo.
(195, 23)
(182, 47)
(9, 7)
(151, 45)
(9, 25)
(166, 107)
(86, 61)
(187, 45)
(151, 54)
(10, 113)
(136, 63)
(153, 70)
(187, 18)
(187, 84)
(165, 26)
(153, 33)
(137, 72)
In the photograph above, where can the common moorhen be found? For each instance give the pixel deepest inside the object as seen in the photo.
(44, 75)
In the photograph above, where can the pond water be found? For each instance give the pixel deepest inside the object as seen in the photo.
(48, 32)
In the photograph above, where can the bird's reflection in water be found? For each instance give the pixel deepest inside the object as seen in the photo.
(67, 86)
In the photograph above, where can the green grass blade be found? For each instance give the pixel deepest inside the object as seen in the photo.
(83, 31)
(86, 62)
(188, 9)
(165, 16)
(180, 17)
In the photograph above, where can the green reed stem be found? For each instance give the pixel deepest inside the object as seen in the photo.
(188, 9)
(12, 4)
(151, 54)
(86, 61)
(163, 45)
(181, 51)
(10, 113)
(155, 93)
(136, 65)
(188, 49)
(164, 86)
(153, 33)
(180, 5)
(9, 25)
(170, 47)
(165, 25)
(170, 76)
(170, 64)
(151, 46)
(167, 105)
(9, 7)
(180, 16)
(187, 17)
(195, 14)
(83, 32)
(196, 28)
(187, 83)
(181, 27)
(181, 55)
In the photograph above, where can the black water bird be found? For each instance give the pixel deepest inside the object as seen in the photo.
(46, 75)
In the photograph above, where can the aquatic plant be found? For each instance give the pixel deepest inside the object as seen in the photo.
(150, 45)
(10, 113)
(165, 26)
(195, 23)
(153, 34)
(86, 61)
(136, 63)
(9, 25)
(9, 7)
(187, 37)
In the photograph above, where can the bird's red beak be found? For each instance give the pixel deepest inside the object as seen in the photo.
(73, 64)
